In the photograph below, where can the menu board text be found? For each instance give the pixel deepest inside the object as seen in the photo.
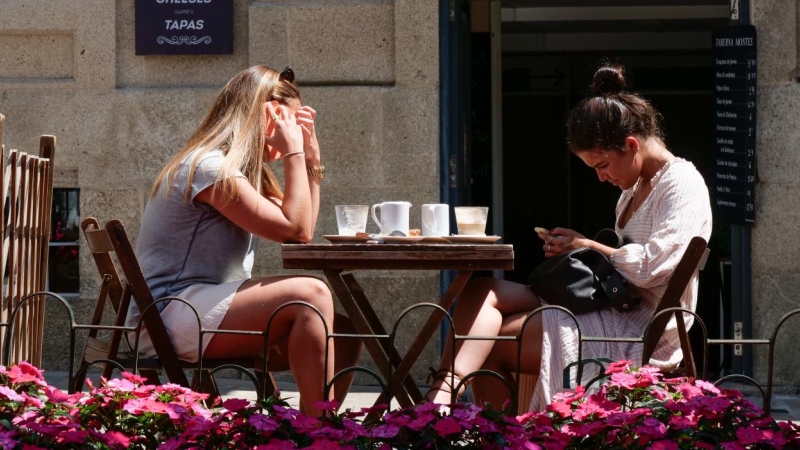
(734, 86)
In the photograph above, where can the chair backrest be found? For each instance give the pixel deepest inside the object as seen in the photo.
(25, 210)
(99, 245)
(114, 240)
(693, 258)
(112, 289)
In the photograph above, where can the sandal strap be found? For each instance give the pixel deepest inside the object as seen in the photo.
(445, 375)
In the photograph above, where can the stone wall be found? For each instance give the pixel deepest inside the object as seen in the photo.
(776, 236)
(369, 67)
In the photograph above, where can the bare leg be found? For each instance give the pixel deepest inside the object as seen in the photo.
(251, 309)
(346, 355)
(503, 360)
(347, 352)
(481, 309)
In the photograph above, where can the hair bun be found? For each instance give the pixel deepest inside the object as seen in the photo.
(608, 80)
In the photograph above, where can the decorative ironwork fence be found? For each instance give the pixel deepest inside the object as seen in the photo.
(12, 333)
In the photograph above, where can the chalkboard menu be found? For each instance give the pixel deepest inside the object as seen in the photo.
(734, 69)
(184, 27)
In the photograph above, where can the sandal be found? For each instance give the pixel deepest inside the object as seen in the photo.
(449, 378)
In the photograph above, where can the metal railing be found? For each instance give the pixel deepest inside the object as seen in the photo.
(10, 334)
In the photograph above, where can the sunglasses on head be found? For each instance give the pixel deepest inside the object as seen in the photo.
(286, 74)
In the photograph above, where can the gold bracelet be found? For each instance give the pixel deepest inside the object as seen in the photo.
(292, 153)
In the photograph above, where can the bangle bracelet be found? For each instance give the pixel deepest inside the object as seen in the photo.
(292, 153)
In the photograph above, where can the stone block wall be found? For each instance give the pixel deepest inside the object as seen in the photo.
(369, 67)
(776, 235)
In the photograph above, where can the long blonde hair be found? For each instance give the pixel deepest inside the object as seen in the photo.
(236, 124)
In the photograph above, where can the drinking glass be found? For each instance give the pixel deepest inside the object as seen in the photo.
(351, 219)
(471, 220)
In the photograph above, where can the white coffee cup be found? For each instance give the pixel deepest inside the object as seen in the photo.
(435, 219)
(394, 216)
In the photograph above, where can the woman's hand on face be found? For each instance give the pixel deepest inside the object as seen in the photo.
(288, 135)
(306, 116)
(561, 240)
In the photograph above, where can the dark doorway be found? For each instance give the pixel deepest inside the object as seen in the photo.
(544, 184)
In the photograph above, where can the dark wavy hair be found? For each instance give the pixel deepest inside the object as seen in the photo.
(610, 114)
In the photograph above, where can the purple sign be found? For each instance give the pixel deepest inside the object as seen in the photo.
(184, 27)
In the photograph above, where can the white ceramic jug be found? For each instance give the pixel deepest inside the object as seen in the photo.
(394, 216)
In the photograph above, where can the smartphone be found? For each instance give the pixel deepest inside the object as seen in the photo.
(541, 230)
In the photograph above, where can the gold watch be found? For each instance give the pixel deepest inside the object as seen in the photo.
(317, 171)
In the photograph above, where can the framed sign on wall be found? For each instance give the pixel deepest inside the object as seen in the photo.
(184, 27)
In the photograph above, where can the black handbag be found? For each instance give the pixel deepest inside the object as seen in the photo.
(583, 280)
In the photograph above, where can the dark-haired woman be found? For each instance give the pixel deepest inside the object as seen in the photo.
(664, 203)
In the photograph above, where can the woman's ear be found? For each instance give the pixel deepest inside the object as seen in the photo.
(632, 145)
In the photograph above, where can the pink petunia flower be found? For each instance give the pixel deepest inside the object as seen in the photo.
(330, 405)
(11, 394)
(32, 447)
(663, 445)
(651, 428)
(732, 445)
(681, 422)
(73, 436)
(446, 426)
(25, 373)
(584, 429)
(384, 431)
(276, 445)
(235, 404)
(262, 423)
(55, 395)
(751, 435)
(569, 397)
(618, 367)
(560, 408)
(421, 421)
(132, 377)
(324, 444)
(8, 439)
(304, 423)
(706, 386)
(623, 380)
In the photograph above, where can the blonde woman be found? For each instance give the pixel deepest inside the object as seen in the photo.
(208, 207)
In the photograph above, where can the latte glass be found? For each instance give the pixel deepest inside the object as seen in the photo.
(471, 220)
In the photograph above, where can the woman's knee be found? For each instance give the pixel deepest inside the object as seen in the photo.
(316, 293)
(480, 291)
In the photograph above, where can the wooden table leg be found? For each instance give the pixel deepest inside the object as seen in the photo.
(389, 348)
(425, 334)
(363, 326)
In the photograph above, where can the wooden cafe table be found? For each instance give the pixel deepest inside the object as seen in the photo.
(338, 261)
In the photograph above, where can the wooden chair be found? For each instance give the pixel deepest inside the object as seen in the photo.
(103, 243)
(25, 210)
(693, 259)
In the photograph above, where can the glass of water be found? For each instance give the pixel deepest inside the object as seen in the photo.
(351, 219)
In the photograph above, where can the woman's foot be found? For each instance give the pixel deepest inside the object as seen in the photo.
(443, 383)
